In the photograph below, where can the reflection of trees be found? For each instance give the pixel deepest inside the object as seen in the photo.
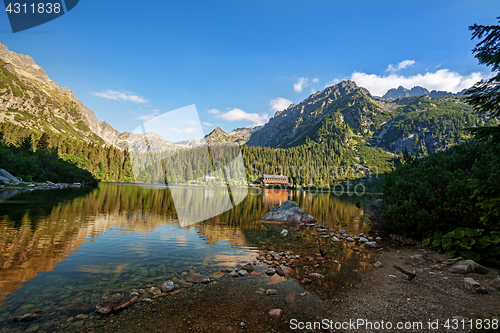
(36, 236)
(239, 227)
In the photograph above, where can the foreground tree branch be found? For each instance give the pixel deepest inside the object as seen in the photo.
(409, 275)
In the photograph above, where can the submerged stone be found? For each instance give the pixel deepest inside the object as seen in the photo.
(271, 292)
(27, 316)
(108, 307)
(168, 286)
(275, 313)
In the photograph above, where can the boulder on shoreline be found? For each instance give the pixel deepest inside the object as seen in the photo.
(6, 178)
(288, 212)
(467, 266)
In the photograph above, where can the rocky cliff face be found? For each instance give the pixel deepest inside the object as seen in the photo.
(29, 98)
(25, 87)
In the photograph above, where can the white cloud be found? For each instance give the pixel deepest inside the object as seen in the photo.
(332, 82)
(151, 115)
(402, 65)
(443, 79)
(239, 114)
(279, 104)
(207, 124)
(191, 122)
(315, 80)
(301, 84)
(214, 111)
(146, 117)
(184, 130)
(120, 95)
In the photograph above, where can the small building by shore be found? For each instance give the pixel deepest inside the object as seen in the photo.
(272, 180)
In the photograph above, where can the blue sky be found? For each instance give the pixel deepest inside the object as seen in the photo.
(240, 61)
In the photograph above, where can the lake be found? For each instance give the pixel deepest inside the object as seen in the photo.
(65, 250)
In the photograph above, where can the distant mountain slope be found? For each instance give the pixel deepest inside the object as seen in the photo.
(403, 92)
(348, 115)
(417, 91)
(239, 135)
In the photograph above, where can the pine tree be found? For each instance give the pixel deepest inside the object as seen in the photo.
(485, 95)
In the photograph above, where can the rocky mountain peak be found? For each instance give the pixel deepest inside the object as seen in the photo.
(216, 132)
(296, 118)
(22, 65)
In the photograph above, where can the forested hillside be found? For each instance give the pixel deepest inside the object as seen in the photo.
(42, 156)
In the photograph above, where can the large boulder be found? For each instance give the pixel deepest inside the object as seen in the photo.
(467, 266)
(288, 212)
(4, 180)
(7, 175)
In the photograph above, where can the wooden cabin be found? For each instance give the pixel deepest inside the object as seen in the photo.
(272, 180)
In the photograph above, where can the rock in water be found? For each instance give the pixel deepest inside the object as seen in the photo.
(234, 274)
(248, 267)
(155, 291)
(242, 272)
(288, 212)
(107, 307)
(371, 244)
(316, 276)
(168, 286)
(283, 270)
(284, 232)
(270, 271)
(275, 313)
(205, 280)
(27, 316)
(271, 292)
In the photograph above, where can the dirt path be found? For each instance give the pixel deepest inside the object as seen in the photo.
(435, 294)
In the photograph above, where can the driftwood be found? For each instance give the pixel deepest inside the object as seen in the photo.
(409, 275)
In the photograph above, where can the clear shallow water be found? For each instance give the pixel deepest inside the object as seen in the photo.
(66, 250)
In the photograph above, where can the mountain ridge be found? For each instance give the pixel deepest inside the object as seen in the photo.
(29, 98)
(418, 91)
(239, 135)
(420, 124)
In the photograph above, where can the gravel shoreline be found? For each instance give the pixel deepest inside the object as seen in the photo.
(379, 294)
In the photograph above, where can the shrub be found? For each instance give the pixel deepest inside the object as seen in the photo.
(456, 189)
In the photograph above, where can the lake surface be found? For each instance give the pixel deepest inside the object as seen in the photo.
(65, 250)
